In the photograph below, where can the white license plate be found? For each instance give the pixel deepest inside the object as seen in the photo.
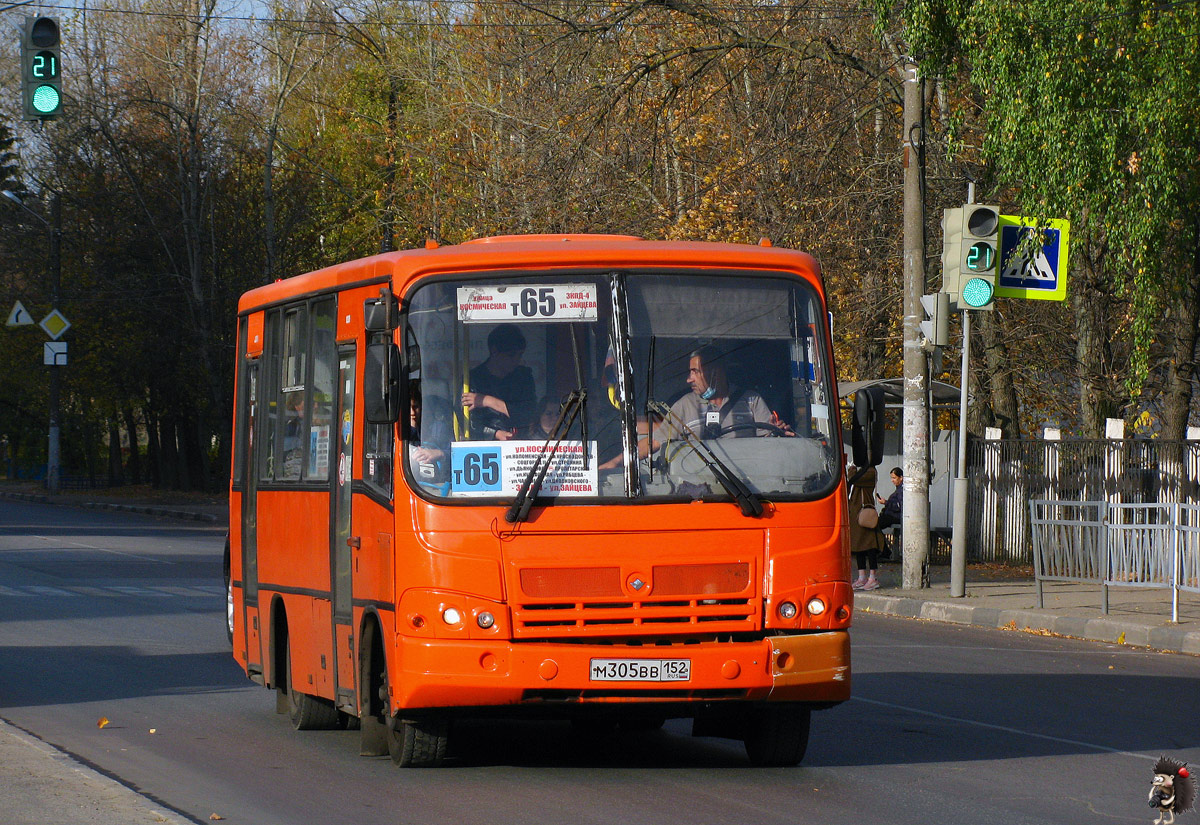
(641, 670)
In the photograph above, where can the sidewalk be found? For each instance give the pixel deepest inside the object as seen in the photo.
(139, 499)
(1006, 599)
(41, 784)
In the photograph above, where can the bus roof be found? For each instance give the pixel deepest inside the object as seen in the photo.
(533, 252)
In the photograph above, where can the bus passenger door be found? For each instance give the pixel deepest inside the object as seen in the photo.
(344, 541)
(249, 517)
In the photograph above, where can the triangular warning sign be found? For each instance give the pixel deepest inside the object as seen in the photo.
(19, 316)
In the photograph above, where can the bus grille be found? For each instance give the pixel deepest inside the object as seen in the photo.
(591, 601)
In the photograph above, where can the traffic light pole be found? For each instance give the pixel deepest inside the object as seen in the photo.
(52, 451)
(958, 541)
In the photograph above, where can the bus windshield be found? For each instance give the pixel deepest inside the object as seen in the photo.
(628, 385)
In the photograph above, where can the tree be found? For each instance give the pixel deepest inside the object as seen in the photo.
(1091, 115)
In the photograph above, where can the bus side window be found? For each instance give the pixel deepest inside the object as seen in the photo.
(270, 396)
(324, 358)
(378, 448)
(294, 392)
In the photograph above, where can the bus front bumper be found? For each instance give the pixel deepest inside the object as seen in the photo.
(434, 673)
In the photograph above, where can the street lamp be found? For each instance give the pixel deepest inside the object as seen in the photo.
(55, 227)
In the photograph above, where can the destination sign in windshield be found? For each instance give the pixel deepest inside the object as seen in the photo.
(527, 302)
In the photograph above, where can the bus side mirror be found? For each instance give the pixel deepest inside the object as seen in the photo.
(381, 314)
(381, 384)
(866, 431)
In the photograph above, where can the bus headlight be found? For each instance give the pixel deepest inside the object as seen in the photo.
(815, 606)
(451, 616)
(485, 620)
(787, 610)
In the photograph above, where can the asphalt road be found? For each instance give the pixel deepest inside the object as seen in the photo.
(118, 616)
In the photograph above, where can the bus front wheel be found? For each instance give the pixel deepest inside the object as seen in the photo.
(418, 744)
(777, 736)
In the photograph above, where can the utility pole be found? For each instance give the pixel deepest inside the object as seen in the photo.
(915, 433)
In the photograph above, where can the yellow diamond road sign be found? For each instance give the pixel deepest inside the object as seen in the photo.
(55, 324)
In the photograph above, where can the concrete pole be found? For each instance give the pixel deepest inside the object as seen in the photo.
(915, 431)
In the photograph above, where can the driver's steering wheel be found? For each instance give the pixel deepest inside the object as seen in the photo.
(754, 425)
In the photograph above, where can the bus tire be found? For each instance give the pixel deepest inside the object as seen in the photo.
(373, 696)
(308, 712)
(777, 736)
(418, 744)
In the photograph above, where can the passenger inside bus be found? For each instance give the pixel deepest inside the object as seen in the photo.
(429, 435)
(542, 425)
(501, 390)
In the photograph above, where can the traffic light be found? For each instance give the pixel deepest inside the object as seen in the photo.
(970, 255)
(41, 83)
(936, 328)
(951, 250)
(980, 247)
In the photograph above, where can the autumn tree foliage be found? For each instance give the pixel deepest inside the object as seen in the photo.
(201, 154)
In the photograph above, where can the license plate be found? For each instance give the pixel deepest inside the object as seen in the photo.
(641, 670)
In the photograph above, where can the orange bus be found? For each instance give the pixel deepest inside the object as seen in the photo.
(593, 477)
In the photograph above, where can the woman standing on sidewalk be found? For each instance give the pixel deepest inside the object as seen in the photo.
(864, 539)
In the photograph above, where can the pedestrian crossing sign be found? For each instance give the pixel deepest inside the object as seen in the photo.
(1033, 258)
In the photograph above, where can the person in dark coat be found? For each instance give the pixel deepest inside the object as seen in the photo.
(864, 541)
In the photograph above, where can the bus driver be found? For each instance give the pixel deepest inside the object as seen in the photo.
(713, 409)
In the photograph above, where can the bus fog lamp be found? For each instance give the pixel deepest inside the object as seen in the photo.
(815, 607)
(787, 610)
(451, 616)
(485, 620)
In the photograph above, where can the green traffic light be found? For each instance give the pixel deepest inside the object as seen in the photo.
(46, 100)
(977, 292)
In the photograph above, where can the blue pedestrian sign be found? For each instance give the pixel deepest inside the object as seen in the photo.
(1033, 258)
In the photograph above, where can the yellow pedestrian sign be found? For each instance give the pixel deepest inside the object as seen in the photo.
(1033, 258)
(19, 317)
(55, 324)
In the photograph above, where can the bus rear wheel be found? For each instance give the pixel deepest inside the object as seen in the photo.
(418, 744)
(777, 736)
(307, 712)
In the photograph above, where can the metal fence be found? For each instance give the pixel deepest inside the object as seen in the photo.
(1117, 545)
(1004, 475)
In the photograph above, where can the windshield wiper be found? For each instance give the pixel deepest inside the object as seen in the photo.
(747, 500)
(519, 510)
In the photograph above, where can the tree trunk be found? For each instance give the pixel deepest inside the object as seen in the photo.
(1183, 316)
(135, 454)
(998, 365)
(116, 474)
(153, 451)
(169, 452)
(1090, 304)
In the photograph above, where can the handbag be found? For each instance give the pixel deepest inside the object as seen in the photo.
(868, 517)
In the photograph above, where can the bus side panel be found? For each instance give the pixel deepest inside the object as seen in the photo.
(293, 540)
(310, 650)
(320, 659)
(235, 578)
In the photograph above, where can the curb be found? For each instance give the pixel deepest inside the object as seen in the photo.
(185, 515)
(79, 792)
(1100, 629)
